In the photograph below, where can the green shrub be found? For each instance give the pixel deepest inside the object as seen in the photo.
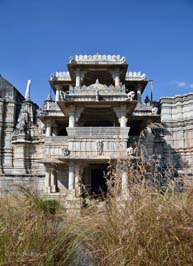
(48, 206)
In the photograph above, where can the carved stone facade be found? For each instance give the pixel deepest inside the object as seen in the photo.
(97, 116)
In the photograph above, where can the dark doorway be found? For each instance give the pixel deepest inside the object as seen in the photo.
(98, 182)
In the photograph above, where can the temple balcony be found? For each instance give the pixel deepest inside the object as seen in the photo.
(97, 143)
(96, 95)
(50, 110)
(93, 92)
(98, 132)
(88, 143)
(145, 110)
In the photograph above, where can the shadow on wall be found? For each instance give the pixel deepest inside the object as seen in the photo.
(151, 147)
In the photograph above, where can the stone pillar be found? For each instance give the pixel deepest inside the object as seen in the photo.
(48, 129)
(9, 122)
(76, 181)
(52, 180)
(71, 176)
(116, 79)
(54, 129)
(57, 97)
(47, 181)
(121, 115)
(72, 117)
(78, 79)
(123, 121)
(19, 146)
(139, 95)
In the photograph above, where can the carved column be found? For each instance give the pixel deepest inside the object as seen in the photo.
(77, 176)
(48, 129)
(71, 176)
(58, 88)
(139, 95)
(116, 79)
(9, 121)
(121, 115)
(20, 146)
(47, 181)
(78, 114)
(123, 121)
(54, 129)
(72, 117)
(52, 180)
(78, 78)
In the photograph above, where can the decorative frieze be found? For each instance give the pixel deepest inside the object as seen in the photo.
(97, 58)
(61, 76)
(135, 76)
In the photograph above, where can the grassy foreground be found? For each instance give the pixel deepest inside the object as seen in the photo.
(146, 228)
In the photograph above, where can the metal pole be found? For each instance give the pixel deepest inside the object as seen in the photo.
(151, 90)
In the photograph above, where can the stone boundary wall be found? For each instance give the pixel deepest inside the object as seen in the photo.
(177, 119)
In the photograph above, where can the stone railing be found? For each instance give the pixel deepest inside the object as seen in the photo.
(135, 76)
(97, 143)
(55, 145)
(88, 142)
(50, 108)
(100, 59)
(96, 93)
(98, 132)
(146, 109)
(59, 140)
(60, 76)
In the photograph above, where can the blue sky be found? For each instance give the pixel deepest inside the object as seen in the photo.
(37, 37)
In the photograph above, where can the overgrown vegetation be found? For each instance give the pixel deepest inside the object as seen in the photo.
(141, 227)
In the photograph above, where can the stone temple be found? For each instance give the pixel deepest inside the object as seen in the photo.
(98, 116)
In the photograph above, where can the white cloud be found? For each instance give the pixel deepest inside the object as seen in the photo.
(181, 84)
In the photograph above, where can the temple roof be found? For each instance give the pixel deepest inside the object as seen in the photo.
(4, 84)
(7, 90)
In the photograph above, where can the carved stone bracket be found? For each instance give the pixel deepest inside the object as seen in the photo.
(78, 114)
(121, 115)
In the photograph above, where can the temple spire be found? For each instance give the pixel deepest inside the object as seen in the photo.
(27, 92)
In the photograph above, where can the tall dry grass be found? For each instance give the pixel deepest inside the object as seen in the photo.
(32, 234)
(141, 227)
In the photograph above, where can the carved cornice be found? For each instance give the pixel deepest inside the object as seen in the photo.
(135, 76)
(100, 59)
(178, 98)
(65, 76)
